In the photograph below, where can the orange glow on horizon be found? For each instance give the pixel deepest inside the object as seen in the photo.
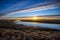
(34, 18)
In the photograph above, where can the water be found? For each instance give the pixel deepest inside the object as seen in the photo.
(43, 25)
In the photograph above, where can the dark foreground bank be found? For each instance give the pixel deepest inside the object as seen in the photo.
(11, 31)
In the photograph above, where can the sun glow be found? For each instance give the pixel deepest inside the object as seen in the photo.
(34, 18)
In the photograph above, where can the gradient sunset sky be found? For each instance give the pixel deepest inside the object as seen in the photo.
(22, 8)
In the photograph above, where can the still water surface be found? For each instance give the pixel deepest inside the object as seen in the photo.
(43, 25)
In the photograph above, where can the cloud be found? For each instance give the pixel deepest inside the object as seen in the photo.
(39, 7)
(13, 6)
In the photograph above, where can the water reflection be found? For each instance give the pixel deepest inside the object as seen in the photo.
(44, 25)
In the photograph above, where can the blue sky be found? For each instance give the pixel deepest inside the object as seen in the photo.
(14, 8)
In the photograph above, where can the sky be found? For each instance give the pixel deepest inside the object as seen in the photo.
(22, 8)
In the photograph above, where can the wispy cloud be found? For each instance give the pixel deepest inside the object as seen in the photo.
(32, 8)
(14, 6)
(39, 8)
